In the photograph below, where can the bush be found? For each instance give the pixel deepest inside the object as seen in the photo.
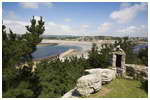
(100, 58)
(130, 71)
(144, 85)
(56, 77)
(143, 56)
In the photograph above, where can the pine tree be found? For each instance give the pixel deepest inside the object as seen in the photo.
(17, 50)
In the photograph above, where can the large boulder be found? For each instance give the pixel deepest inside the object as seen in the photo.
(106, 75)
(88, 84)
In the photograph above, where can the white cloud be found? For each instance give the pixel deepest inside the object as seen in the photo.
(85, 26)
(105, 27)
(51, 23)
(67, 20)
(37, 17)
(128, 12)
(16, 26)
(125, 5)
(141, 31)
(11, 15)
(52, 28)
(34, 5)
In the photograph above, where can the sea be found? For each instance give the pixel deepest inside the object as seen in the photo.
(52, 50)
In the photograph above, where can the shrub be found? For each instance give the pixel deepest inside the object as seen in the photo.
(144, 85)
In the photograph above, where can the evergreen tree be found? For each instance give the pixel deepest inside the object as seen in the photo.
(18, 50)
(128, 46)
(100, 58)
(143, 56)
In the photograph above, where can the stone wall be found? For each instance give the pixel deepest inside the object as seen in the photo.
(137, 71)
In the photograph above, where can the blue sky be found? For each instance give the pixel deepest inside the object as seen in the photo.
(80, 18)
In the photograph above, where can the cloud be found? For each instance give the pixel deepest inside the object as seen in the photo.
(128, 12)
(11, 15)
(125, 5)
(34, 5)
(141, 31)
(105, 27)
(37, 17)
(67, 20)
(16, 26)
(51, 28)
(85, 26)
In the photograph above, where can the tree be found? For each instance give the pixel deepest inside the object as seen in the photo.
(143, 56)
(100, 58)
(128, 47)
(18, 50)
(33, 35)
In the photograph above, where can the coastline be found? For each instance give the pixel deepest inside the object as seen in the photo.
(84, 45)
(46, 44)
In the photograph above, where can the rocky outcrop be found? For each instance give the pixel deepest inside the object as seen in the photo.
(106, 75)
(91, 83)
(88, 84)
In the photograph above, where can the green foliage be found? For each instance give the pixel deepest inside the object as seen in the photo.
(56, 77)
(100, 58)
(144, 85)
(130, 71)
(17, 50)
(143, 55)
(128, 46)
(51, 78)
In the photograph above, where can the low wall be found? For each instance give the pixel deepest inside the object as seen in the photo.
(137, 71)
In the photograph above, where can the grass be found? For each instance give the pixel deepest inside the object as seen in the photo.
(121, 88)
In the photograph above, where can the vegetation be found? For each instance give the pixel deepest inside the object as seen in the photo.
(128, 46)
(100, 58)
(121, 88)
(143, 56)
(144, 85)
(18, 50)
(56, 77)
(51, 78)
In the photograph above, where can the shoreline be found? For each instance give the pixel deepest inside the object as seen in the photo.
(84, 45)
(47, 44)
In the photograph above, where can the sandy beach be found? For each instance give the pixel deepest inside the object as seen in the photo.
(84, 45)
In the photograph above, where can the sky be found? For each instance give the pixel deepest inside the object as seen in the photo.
(79, 18)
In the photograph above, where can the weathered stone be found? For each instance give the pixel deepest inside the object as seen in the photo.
(106, 75)
(137, 71)
(88, 84)
(118, 61)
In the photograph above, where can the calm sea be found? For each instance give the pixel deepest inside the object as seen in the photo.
(50, 50)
